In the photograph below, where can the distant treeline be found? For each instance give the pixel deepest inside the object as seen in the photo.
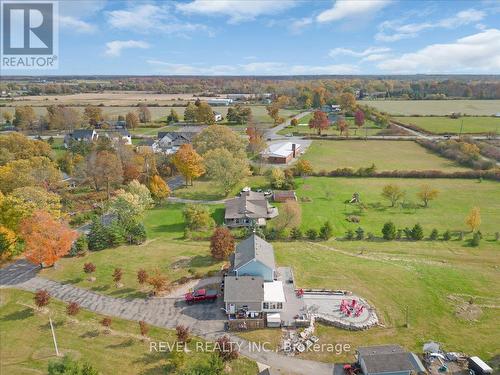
(408, 87)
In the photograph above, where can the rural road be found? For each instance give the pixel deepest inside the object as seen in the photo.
(204, 320)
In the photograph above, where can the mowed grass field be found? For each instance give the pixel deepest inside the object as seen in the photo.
(259, 112)
(433, 280)
(204, 189)
(446, 125)
(435, 107)
(27, 345)
(165, 250)
(369, 128)
(447, 212)
(386, 155)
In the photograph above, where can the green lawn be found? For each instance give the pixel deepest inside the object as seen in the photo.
(446, 125)
(164, 250)
(204, 189)
(27, 341)
(435, 107)
(303, 128)
(386, 155)
(423, 276)
(447, 212)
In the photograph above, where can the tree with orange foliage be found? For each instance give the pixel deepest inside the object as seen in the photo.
(188, 163)
(46, 239)
(221, 243)
(342, 126)
(319, 121)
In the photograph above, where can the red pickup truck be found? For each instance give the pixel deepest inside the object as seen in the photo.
(200, 295)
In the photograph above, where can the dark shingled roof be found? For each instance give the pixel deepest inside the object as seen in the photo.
(243, 289)
(256, 248)
(249, 204)
(82, 134)
(389, 359)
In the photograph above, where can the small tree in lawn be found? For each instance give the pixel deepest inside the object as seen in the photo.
(342, 126)
(303, 167)
(446, 236)
(294, 122)
(144, 328)
(290, 215)
(89, 269)
(73, 308)
(434, 235)
(417, 232)
(326, 231)
(473, 220)
(221, 243)
(142, 277)
(42, 298)
(389, 231)
(295, 233)
(312, 234)
(188, 163)
(182, 333)
(319, 121)
(226, 349)
(117, 276)
(360, 234)
(159, 189)
(392, 193)
(427, 194)
(359, 118)
(158, 282)
(106, 323)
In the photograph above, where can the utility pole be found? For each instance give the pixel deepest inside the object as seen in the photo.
(407, 317)
(54, 337)
(461, 128)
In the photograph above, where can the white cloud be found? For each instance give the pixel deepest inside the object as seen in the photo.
(115, 47)
(254, 68)
(475, 53)
(391, 31)
(299, 25)
(72, 14)
(349, 52)
(236, 10)
(151, 18)
(76, 24)
(347, 8)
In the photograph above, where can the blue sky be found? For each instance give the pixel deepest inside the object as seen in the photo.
(278, 37)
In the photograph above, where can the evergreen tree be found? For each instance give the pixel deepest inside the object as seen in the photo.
(325, 232)
(295, 233)
(389, 231)
(360, 233)
(434, 235)
(98, 236)
(417, 233)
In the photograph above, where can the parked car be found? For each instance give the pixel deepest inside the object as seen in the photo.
(200, 295)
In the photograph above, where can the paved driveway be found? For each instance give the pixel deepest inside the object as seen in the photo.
(204, 320)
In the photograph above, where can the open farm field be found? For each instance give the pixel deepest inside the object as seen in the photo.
(446, 125)
(435, 107)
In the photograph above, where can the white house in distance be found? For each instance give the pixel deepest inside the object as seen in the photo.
(251, 288)
(80, 135)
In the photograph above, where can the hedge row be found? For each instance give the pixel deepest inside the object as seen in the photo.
(492, 174)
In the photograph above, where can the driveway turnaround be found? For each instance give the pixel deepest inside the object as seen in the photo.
(204, 320)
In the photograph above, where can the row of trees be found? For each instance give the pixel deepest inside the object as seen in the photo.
(304, 92)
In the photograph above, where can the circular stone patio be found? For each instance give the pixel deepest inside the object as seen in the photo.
(326, 308)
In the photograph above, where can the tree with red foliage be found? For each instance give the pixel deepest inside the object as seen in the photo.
(226, 349)
(319, 121)
(42, 298)
(142, 276)
(221, 243)
(46, 239)
(117, 276)
(359, 118)
(144, 328)
(106, 323)
(342, 126)
(73, 308)
(182, 333)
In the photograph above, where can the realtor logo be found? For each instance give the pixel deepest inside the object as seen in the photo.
(29, 35)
